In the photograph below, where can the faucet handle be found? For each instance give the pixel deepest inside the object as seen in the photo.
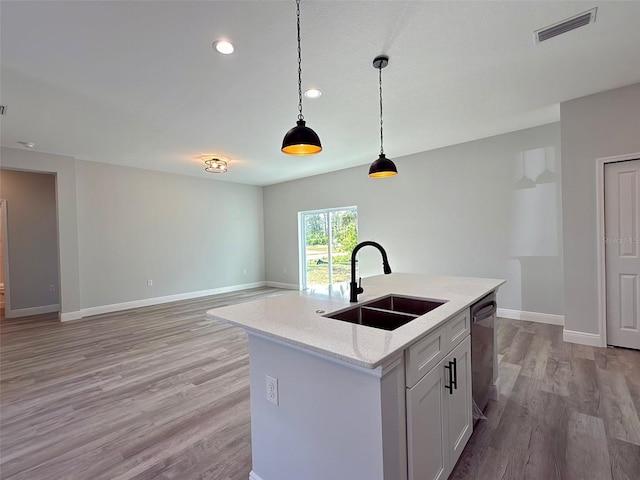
(360, 289)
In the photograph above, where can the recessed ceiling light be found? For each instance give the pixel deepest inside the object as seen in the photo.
(224, 47)
(312, 93)
(27, 144)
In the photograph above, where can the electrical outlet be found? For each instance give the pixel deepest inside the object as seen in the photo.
(52, 287)
(284, 271)
(272, 389)
(149, 283)
(244, 271)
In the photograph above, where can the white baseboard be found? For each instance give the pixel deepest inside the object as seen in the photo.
(547, 318)
(67, 316)
(570, 336)
(289, 286)
(145, 302)
(27, 312)
(591, 339)
(254, 476)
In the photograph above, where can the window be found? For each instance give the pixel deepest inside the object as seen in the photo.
(327, 239)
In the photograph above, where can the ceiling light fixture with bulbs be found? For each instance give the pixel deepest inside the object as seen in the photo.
(382, 167)
(215, 165)
(300, 140)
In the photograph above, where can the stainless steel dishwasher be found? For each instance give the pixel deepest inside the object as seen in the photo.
(483, 316)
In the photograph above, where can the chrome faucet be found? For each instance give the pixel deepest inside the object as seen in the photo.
(356, 288)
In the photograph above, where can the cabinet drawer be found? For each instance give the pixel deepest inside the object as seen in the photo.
(425, 354)
(457, 329)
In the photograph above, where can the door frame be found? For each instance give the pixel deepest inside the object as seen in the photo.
(5, 259)
(600, 228)
(302, 241)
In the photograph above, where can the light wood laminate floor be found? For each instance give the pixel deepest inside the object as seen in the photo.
(162, 392)
(566, 411)
(152, 393)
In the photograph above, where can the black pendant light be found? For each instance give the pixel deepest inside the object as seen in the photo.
(300, 140)
(382, 167)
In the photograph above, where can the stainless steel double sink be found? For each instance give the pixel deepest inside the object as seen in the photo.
(388, 312)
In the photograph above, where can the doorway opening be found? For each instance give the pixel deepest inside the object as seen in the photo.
(327, 240)
(30, 243)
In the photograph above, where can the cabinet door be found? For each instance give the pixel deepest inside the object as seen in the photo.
(425, 354)
(458, 328)
(426, 430)
(458, 403)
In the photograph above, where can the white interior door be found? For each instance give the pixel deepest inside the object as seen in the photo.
(622, 252)
(4, 261)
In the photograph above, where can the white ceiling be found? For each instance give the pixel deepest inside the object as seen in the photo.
(137, 82)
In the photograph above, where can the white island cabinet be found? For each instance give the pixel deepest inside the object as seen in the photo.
(439, 409)
(342, 401)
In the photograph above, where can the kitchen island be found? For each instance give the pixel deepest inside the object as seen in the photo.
(337, 400)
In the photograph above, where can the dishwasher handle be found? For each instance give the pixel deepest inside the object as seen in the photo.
(485, 311)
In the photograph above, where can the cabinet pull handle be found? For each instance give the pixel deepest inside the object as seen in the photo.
(450, 386)
(454, 382)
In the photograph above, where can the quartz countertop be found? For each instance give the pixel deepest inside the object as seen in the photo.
(292, 318)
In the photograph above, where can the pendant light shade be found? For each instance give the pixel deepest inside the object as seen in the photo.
(547, 175)
(300, 140)
(382, 167)
(524, 182)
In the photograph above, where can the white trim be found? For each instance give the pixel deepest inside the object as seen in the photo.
(254, 476)
(547, 318)
(392, 362)
(288, 286)
(27, 312)
(600, 255)
(302, 253)
(145, 302)
(67, 316)
(582, 338)
(5, 260)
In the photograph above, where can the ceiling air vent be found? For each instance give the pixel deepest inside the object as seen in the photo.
(565, 26)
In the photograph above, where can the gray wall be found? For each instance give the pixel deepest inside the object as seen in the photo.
(119, 227)
(185, 233)
(453, 210)
(601, 125)
(32, 237)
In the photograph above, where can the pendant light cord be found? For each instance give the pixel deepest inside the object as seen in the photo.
(381, 137)
(300, 116)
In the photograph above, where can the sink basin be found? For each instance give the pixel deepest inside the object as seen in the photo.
(373, 317)
(388, 312)
(397, 303)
